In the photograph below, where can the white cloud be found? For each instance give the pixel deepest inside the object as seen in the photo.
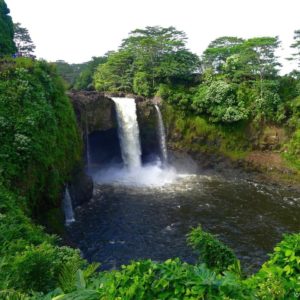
(76, 30)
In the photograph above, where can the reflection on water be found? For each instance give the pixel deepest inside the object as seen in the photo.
(127, 222)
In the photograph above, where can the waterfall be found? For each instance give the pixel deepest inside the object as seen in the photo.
(87, 141)
(162, 136)
(128, 132)
(67, 207)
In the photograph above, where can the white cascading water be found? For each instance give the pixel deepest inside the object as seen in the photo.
(68, 209)
(128, 132)
(162, 136)
(133, 173)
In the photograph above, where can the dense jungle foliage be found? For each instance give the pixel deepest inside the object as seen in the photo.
(40, 146)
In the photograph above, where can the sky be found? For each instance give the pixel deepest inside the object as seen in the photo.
(76, 30)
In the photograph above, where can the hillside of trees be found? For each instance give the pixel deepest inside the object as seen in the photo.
(235, 81)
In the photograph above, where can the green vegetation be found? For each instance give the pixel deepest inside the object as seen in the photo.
(7, 45)
(212, 252)
(84, 81)
(79, 76)
(32, 101)
(40, 146)
(23, 41)
(69, 72)
(296, 47)
(209, 110)
(147, 58)
(278, 278)
(198, 135)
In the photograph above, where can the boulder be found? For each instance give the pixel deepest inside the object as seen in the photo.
(81, 188)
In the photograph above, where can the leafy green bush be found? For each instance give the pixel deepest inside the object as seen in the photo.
(172, 279)
(11, 294)
(141, 84)
(178, 96)
(30, 260)
(16, 229)
(37, 267)
(293, 149)
(212, 252)
(219, 101)
(279, 277)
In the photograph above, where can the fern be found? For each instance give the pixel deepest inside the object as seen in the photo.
(90, 270)
(80, 295)
(67, 278)
(12, 295)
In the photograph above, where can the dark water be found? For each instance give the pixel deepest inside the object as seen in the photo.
(124, 223)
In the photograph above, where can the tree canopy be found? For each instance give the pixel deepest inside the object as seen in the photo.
(219, 50)
(241, 59)
(23, 41)
(7, 45)
(296, 47)
(147, 58)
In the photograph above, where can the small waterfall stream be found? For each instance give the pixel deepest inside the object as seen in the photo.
(67, 207)
(128, 132)
(162, 136)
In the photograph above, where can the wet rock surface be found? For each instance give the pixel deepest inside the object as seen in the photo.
(81, 188)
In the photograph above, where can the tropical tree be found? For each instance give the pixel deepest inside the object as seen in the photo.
(219, 50)
(296, 47)
(264, 64)
(23, 41)
(7, 45)
(147, 58)
(116, 74)
(161, 53)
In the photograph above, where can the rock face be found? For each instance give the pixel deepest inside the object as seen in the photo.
(147, 119)
(81, 188)
(96, 115)
(271, 138)
(94, 111)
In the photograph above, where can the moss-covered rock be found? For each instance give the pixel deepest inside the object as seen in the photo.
(254, 147)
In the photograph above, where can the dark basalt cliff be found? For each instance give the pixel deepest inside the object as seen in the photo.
(94, 111)
(96, 116)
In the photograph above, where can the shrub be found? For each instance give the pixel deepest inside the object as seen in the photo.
(219, 101)
(211, 251)
(142, 84)
(37, 267)
(279, 277)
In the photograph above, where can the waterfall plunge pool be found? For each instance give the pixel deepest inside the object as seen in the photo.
(125, 221)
